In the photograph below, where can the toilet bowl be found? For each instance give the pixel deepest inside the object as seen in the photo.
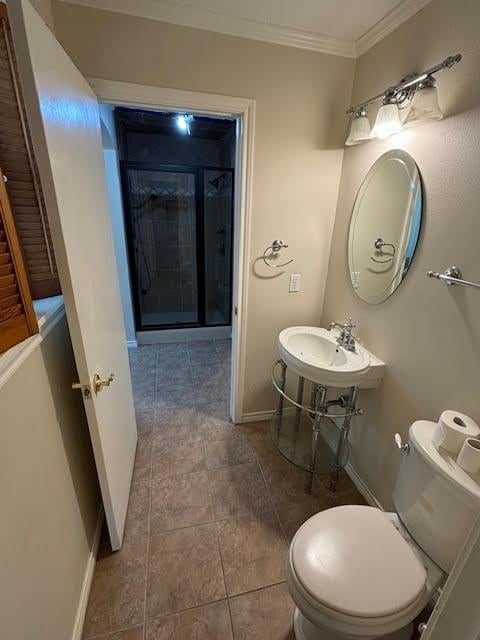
(357, 573)
(353, 574)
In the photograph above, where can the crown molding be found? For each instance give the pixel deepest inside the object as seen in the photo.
(389, 23)
(188, 16)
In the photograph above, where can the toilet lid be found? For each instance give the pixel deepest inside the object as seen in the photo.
(353, 560)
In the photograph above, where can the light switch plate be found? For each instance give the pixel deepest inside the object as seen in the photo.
(294, 283)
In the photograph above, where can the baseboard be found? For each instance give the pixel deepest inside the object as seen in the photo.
(183, 335)
(257, 416)
(87, 580)
(132, 344)
(263, 416)
(362, 487)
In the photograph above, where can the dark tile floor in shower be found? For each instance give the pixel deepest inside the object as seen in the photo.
(212, 510)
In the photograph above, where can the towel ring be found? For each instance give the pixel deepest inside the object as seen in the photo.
(379, 244)
(275, 247)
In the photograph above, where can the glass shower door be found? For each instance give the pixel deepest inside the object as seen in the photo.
(163, 236)
(218, 233)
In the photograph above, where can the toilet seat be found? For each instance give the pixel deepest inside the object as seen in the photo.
(365, 529)
(353, 561)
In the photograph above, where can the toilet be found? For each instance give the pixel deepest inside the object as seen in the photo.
(358, 572)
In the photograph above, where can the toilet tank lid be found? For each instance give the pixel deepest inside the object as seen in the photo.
(443, 462)
(352, 559)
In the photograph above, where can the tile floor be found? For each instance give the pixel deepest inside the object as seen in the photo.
(212, 509)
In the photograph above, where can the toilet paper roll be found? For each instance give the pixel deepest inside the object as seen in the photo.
(453, 429)
(469, 456)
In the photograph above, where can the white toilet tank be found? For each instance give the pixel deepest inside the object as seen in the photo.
(436, 500)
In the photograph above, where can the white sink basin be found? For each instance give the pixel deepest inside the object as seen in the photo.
(312, 352)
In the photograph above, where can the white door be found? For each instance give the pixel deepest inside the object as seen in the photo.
(65, 123)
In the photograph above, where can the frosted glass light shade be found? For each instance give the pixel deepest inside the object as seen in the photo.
(359, 131)
(388, 121)
(424, 108)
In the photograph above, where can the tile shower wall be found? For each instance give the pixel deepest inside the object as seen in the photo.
(163, 207)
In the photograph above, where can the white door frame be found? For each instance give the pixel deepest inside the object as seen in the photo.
(243, 110)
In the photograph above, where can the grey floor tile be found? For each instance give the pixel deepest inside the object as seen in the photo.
(232, 448)
(211, 392)
(143, 458)
(212, 388)
(175, 422)
(175, 456)
(145, 418)
(293, 516)
(175, 396)
(238, 490)
(209, 622)
(171, 348)
(253, 552)
(214, 421)
(134, 633)
(202, 352)
(117, 596)
(267, 613)
(143, 363)
(170, 359)
(185, 570)
(285, 482)
(201, 373)
(223, 347)
(258, 434)
(175, 376)
(180, 501)
(136, 523)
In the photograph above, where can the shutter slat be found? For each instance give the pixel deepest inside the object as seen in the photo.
(17, 316)
(18, 164)
(11, 301)
(7, 281)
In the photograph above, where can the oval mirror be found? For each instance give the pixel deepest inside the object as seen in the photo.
(385, 226)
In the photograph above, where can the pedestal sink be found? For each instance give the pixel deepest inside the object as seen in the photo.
(313, 353)
(328, 359)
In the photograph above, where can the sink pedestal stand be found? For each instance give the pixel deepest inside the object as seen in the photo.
(350, 408)
(307, 436)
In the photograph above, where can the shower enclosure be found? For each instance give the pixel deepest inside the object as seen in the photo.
(179, 220)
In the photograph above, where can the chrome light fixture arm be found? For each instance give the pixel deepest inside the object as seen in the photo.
(400, 91)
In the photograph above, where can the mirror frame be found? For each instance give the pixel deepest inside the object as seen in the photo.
(361, 190)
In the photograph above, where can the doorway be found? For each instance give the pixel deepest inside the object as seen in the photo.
(112, 94)
(177, 175)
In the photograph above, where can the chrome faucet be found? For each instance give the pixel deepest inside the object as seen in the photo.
(345, 338)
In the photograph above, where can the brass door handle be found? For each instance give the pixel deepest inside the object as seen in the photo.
(99, 383)
(85, 389)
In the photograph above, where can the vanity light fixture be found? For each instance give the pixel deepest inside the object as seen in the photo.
(416, 92)
(424, 106)
(388, 119)
(359, 129)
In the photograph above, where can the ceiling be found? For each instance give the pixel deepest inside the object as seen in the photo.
(341, 27)
(345, 19)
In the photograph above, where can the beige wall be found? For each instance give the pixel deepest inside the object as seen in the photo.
(45, 9)
(428, 335)
(48, 493)
(300, 126)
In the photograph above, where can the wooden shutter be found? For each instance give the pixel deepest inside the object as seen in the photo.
(18, 163)
(17, 316)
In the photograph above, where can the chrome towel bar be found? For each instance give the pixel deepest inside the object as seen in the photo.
(452, 276)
